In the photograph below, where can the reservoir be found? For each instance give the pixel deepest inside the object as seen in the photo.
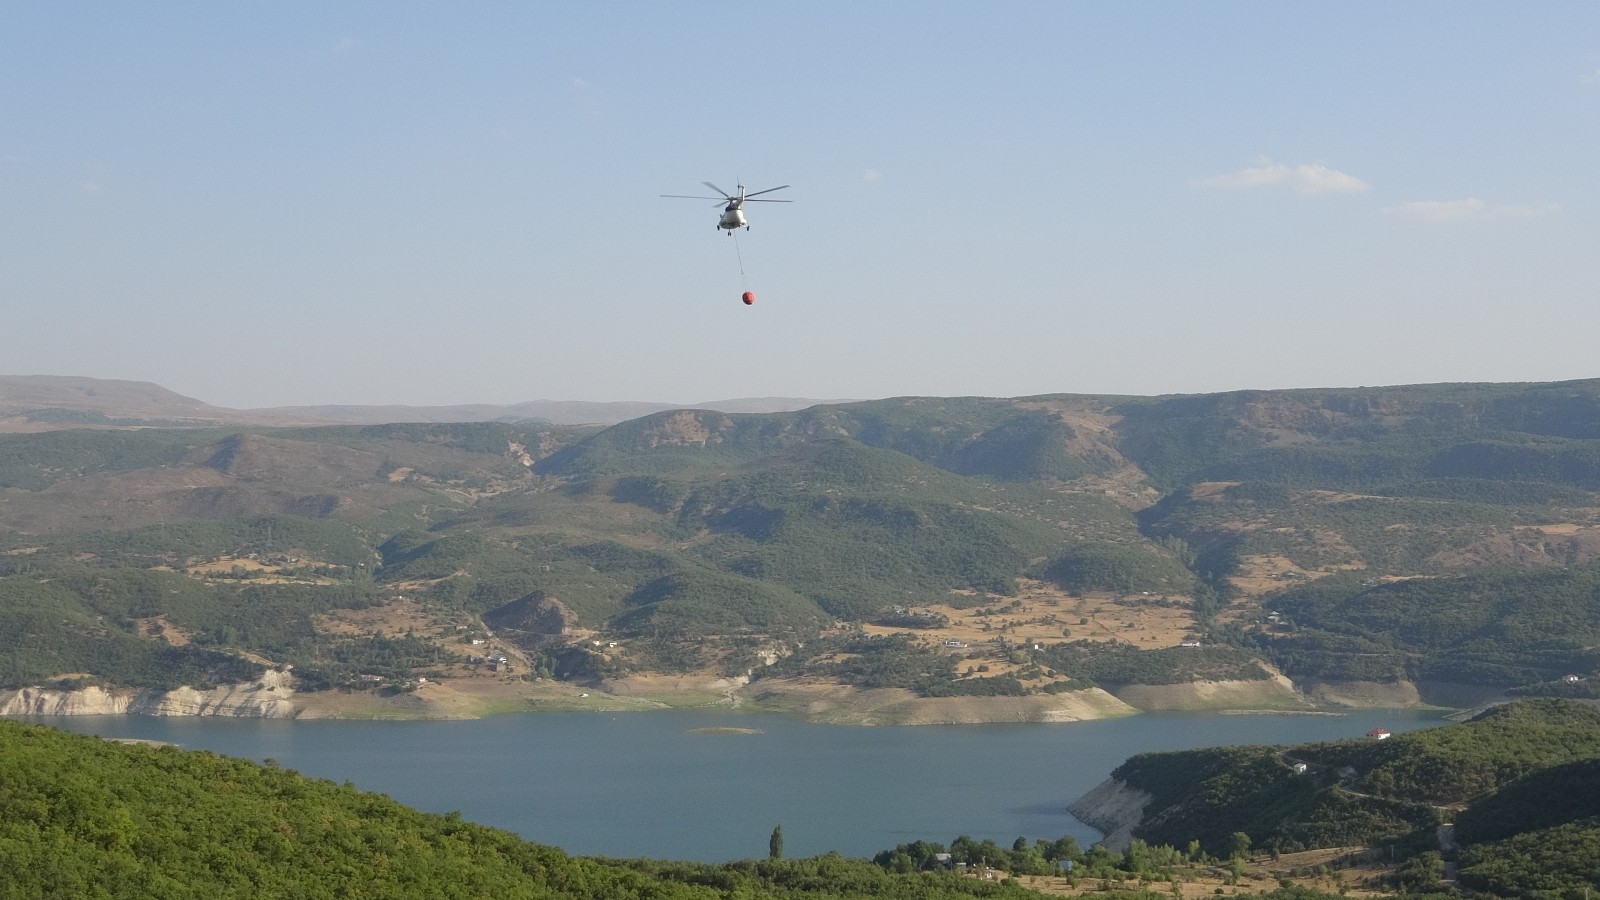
(711, 786)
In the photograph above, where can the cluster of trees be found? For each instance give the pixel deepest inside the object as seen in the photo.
(393, 658)
(1042, 857)
(1143, 863)
(1537, 836)
(1104, 662)
(900, 617)
(1560, 861)
(1544, 798)
(1121, 569)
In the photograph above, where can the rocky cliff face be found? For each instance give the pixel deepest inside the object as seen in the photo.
(268, 698)
(1277, 692)
(1114, 808)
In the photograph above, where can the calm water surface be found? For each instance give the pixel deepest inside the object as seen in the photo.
(647, 784)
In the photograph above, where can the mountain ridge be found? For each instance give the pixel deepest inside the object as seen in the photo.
(48, 402)
(1354, 543)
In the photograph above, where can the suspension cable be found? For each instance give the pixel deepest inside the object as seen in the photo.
(743, 282)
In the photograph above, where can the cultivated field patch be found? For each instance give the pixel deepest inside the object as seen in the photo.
(1041, 613)
(272, 570)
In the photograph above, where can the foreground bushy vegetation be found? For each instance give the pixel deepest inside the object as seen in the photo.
(1540, 834)
(1559, 861)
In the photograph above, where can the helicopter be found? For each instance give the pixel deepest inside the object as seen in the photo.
(733, 213)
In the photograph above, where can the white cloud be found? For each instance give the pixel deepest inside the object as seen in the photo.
(346, 45)
(871, 175)
(1469, 208)
(1520, 210)
(1305, 178)
(579, 84)
(1592, 77)
(1438, 210)
(90, 186)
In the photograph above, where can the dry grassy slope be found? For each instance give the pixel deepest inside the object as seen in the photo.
(33, 403)
(21, 393)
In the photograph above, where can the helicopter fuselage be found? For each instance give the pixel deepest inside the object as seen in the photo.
(733, 214)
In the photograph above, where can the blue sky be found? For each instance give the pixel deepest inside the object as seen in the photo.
(290, 203)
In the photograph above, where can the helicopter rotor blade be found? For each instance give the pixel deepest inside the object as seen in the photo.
(767, 191)
(725, 194)
(695, 197)
(765, 200)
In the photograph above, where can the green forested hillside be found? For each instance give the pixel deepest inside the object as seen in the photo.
(1519, 782)
(1424, 533)
(1501, 627)
(966, 436)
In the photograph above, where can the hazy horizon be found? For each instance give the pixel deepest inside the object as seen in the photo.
(713, 402)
